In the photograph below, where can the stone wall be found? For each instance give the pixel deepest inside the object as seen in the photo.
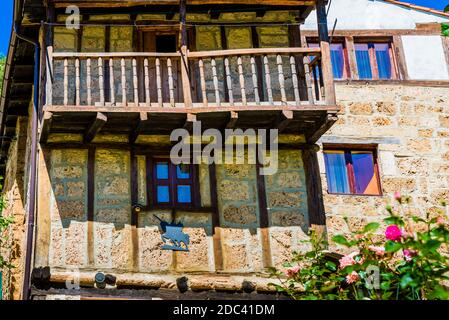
(111, 244)
(410, 125)
(14, 195)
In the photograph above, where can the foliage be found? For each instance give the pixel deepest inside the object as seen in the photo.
(409, 262)
(445, 26)
(2, 70)
(4, 224)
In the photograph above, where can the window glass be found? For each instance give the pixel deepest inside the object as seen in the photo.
(364, 172)
(337, 177)
(338, 61)
(162, 170)
(183, 171)
(383, 60)
(363, 60)
(352, 172)
(184, 194)
(163, 194)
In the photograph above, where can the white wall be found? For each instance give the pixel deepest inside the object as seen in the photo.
(424, 57)
(372, 14)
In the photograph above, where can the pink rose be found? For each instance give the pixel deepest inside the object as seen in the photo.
(292, 271)
(393, 233)
(397, 196)
(380, 251)
(349, 260)
(440, 220)
(352, 277)
(409, 254)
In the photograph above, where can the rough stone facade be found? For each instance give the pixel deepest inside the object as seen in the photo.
(14, 193)
(410, 126)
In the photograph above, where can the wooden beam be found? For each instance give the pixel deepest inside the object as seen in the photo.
(327, 124)
(313, 186)
(218, 255)
(191, 118)
(46, 126)
(143, 119)
(233, 118)
(285, 118)
(95, 127)
(263, 218)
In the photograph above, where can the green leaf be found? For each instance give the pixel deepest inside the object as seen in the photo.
(446, 9)
(371, 227)
(445, 29)
(432, 245)
(393, 220)
(406, 280)
(340, 240)
(331, 266)
(391, 246)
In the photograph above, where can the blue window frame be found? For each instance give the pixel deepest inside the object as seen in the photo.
(374, 60)
(338, 58)
(174, 185)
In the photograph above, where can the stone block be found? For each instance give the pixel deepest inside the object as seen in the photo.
(361, 108)
(234, 190)
(285, 199)
(287, 218)
(244, 214)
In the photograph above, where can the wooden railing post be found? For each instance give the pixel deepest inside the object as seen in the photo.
(186, 87)
(326, 63)
(49, 77)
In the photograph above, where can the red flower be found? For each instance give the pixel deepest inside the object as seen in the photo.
(393, 233)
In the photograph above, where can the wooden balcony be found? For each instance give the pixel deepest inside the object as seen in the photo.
(290, 89)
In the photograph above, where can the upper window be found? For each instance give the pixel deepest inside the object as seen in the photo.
(351, 171)
(173, 185)
(338, 57)
(374, 60)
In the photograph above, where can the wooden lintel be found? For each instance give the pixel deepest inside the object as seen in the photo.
(233, 118)
(284, 120)
(95, 127)
(327, 124)
(46, 126)
(191, 118)
(143, 118)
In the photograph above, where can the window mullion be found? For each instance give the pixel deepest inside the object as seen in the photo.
(350, 170)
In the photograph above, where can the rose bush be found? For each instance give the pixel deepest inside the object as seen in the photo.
(408, 260)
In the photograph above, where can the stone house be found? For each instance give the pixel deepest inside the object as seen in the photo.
(86, 146)
(85, 155)
(390, 64)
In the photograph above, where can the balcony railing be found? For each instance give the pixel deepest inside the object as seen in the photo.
(292, 77)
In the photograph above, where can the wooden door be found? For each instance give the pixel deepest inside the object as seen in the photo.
(163, 42)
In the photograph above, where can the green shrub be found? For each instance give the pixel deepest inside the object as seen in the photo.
(409, 262)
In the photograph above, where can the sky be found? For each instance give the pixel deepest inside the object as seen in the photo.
(6, 18)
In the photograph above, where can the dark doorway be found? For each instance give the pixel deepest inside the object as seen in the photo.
(166, 43)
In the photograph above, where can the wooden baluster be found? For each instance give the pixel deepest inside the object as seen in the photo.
(111, 81)
(135, 83)
(77, 82)
(89, 82)
(295, 80)
(101, 80)
(66, 82)
(123, 72)
(171, 87)
(308, 79)
(229, 81)
(147, 83)
(268, 79)
(215, 79)
(281, 78)
(159, 82)
(255, 82)
(242, 80)
(203, 82)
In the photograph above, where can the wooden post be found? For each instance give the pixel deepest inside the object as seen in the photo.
(313, 185)
(49, 77)
(326, 63)
(186, 88)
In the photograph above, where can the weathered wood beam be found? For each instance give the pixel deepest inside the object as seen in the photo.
(143, 120)
(285, 118)
(327, 124)
(46, 126)
(95, 127)
(233, 118)
(191, 118)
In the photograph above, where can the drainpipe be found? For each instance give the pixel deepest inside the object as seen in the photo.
(33, 165)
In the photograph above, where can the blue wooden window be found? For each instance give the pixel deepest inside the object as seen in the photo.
(338, 58)
(352, 171)
(374, 60)
(173, 185)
